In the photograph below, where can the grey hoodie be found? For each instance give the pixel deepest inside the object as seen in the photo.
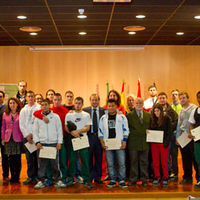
(183, 123)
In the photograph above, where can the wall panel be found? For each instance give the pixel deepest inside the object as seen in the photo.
(85, 72)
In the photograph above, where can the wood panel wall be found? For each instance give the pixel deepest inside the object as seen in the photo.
(86, 72)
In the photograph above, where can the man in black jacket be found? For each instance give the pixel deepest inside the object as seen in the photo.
(173, 149)
(95, 150)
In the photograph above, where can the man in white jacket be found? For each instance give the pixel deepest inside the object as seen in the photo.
(26, 120)
(48, 135)
(187, 152)
(114, 125)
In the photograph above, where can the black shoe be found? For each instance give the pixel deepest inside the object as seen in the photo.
(165, 182)
(151, 180)
(123, 185)
(111, 184)
(144, 183)
(88, 184)
(69, 183)
(6, 179)
(106, 178)
(130, 183)
(98, 181)
(34, 181)
(156, 182)
(14, 180)
(197, 185)
(28, 180)
(186, 181)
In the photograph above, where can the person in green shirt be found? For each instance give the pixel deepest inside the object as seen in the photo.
(173, 148)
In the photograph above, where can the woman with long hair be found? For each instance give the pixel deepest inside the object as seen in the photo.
(12, 137)
(130, 103)
(113, 94)
(160, 122)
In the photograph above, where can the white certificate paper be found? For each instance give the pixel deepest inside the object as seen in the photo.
(31, 147)
(155, 136)
(48, 152)
(113, 143)
(80, 143)
(196, 133)
(183, 139)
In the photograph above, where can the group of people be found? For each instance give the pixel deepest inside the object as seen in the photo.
(31, 119)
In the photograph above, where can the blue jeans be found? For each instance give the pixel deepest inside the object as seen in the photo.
(119, 155)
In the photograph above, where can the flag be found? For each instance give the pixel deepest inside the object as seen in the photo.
(139, 89)
(122, 94)
(107, 84)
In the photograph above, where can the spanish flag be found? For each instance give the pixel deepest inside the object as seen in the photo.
(122, 95)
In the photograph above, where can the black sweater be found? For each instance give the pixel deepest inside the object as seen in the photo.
(166, 127)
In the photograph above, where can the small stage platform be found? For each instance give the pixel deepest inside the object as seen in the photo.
(98, 191)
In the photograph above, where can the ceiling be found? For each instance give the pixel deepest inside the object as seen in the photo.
(104, 23)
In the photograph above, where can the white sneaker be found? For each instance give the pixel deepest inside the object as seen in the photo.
(60, 184)
(79, 179)
(39, 185)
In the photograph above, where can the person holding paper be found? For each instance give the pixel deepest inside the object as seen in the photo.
(82, 121)
(61, 111)
(160, 122)
(114, 125)
(12, 137)
(26, 120)
(188, 151)
(194, 121)
(95, 149)
(48, 135)
(139, 122)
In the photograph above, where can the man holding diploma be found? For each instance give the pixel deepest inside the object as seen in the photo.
(114, 125)
(48, 135)
(188, 151)
(194, 121)
(82, 121)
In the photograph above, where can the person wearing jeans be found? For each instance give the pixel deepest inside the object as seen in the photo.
(114, 125)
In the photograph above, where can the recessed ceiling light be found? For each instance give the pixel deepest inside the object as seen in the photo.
(30, 29)
(81, 12)
(134, 28)
(131, 33)
(81, 16)
(179, 33)
(33, 34)
(21, 17)
(140, 16)
(82, 33)
(197, 17)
